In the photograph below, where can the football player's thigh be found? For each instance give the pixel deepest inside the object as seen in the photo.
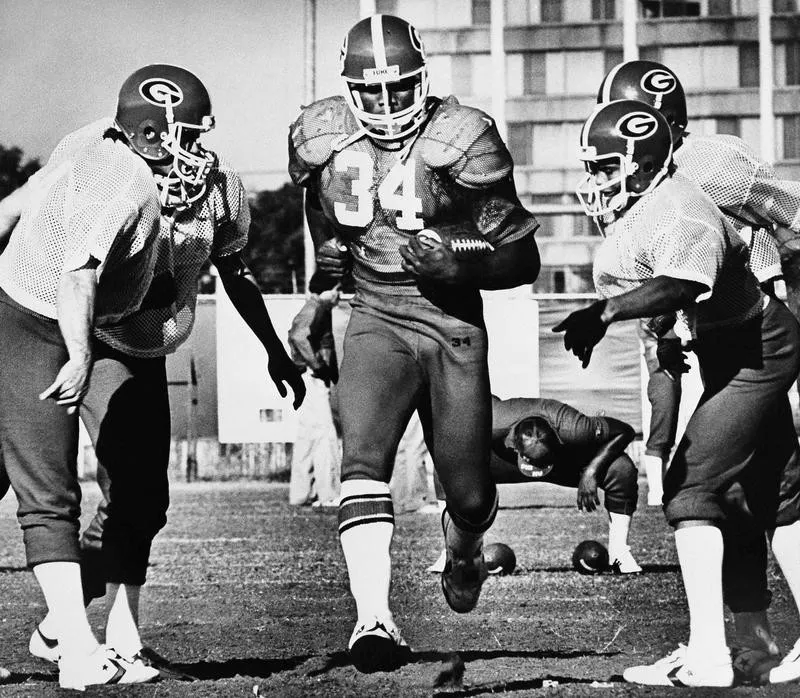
(379, 382)
(461, 415)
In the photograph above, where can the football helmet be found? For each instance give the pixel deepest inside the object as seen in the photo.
(162, 110)
(385, 50)
(634, 141)
(651, 82)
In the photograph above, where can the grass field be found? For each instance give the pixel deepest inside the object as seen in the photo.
(250, 596)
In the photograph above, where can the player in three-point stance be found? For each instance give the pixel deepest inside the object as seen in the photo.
(380, 164)
(765, 211)
(668, 248)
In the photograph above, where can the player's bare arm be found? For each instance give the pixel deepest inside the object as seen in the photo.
(75, 300)
(246, 297)
(584, 328)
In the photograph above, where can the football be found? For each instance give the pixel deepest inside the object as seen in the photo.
(464, 240)
(500, 558)
(590, 557)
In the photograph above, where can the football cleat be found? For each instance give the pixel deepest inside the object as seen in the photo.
(624, 563)
(674, 670)
(788, 669)
(103, 667)
(462, 577)
(377, 645)
(44, 647)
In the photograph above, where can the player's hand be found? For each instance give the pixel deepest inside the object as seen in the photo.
(583, 329)
(283, 370)
(71, 384)
(333, 259)
(430, 259)
(588, 499)
(671, 357)
(311, 340)
(661, 324)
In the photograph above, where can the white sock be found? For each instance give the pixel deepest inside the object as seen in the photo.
(786, 548)
(619, 525)
(700, 551)
(63, 593)
(366, 527)
(653, 470)
(122, 626)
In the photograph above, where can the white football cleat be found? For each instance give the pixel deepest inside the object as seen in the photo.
(673, 670)
(438, 566)
(377, 645)
(103, 667)
(43, 647)
(788, 669)
(623, 562)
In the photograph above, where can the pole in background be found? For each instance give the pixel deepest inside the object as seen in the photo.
(191, 422)
(367, 8)
(765, 81)
(309, 95)
(497, 21)
(630, 49)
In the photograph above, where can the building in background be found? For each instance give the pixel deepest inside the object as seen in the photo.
(556, 54)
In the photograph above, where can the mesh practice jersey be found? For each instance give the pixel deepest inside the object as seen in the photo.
(457, 170)
(746, 190)
(676, 230)
(215, 226)
(93, 199)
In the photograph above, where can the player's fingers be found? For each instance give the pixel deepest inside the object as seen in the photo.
(50, 390)
(560, 327)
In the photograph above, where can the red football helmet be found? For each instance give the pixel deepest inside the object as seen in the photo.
(651, 82)
(633, 139)
(384, 50)
(162, 109)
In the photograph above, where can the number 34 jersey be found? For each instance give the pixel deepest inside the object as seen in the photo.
(456, 171)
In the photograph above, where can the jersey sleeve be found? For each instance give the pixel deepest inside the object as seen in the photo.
(765, 260)
(231, 212)
(573, 428)
(685, 246)
(112, 203)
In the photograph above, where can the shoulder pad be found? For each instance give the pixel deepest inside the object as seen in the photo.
(716, 153)
(320, 126)
(465, 141)
(227, 191)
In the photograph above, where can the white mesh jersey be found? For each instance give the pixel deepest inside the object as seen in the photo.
(215, 226)
(93, 199)
(676, 230)
(747, 191)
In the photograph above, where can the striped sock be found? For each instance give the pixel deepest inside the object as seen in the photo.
(366, 526)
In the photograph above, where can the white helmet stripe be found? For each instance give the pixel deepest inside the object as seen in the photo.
(588, 126)
(378, 47)
(605, 95)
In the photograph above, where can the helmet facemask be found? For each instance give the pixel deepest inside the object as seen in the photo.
(389, 125)
(185, 182)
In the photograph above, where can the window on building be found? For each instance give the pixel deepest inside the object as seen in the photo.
(461, 69)
(791, 137)
(612, 57)
(651, 9)
(784, 6)
(717, 8)
(386, 7)
(534, 77)
(748, 65)
(520, 142)
(552, 11)
(603, 9)
(650, 53)
(792, 63)
(481, 11)
(729, 126)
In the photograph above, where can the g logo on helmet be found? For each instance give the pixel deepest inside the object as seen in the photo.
(161, 92)
(659, 82)
(637, 125)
